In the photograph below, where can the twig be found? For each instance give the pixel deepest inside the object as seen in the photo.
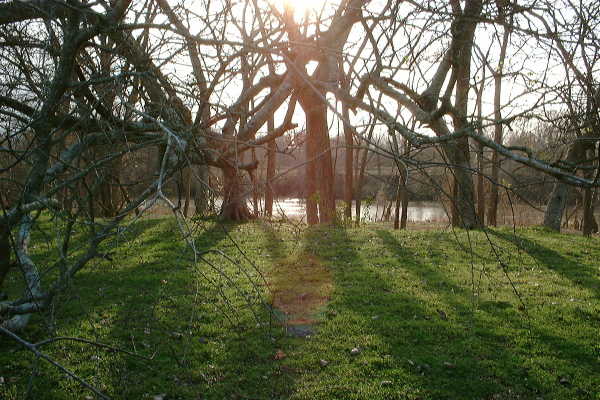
(33, 348)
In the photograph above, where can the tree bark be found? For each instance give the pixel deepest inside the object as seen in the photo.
(312, 209)
(348, 166)
(319, 171)
(271, 165)
(589, 222)
(560, 192)
(398, 203)
(404, 216)
(200, 188)
(254, 181)
(556, 206)
(498, 134)
(458, 153)
(188, 191)
(463, 193)
(234, 206)
(5, 253)
(360, 179)
(480, 185)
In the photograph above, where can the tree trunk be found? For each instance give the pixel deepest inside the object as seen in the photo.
(5, 253)
(556, 206)
(589, 222)
(458, 152)
(498, 134)
(312, 209)
(362, 166)
(404, 216)
(480, 185)
(200, 186)
(234, 206)
(254, 181)
(560, 192)
(110, 198)
(348, 166)
(271, 165)
(188, 191)
(399, 198)
(404, 188)
(463, 197)
(319, 172)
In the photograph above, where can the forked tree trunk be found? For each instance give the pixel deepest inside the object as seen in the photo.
(234, 206)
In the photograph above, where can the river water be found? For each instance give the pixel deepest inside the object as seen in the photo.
(372, 211)
(418, 211)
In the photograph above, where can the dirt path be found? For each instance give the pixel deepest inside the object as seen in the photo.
(300, 289)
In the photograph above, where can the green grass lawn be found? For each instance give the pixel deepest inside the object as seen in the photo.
(433, 314)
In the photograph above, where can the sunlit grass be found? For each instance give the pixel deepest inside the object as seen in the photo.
(430, 320)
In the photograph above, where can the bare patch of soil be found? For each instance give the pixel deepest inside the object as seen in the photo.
(300, 287)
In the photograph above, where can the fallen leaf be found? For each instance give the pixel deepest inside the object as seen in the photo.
(279, 355)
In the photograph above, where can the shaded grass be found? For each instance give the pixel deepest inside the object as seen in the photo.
(153, 301)
(432, 313)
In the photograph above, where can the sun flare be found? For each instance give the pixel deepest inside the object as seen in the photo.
(301, 6)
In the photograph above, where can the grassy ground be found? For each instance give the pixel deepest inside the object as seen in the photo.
(431, 314)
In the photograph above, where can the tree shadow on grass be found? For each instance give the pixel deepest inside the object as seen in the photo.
(584, 275)
(416, 330)
(153, 302)
(205, 336)
(501, 325)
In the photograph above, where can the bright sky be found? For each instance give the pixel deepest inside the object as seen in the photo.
(301, 6)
